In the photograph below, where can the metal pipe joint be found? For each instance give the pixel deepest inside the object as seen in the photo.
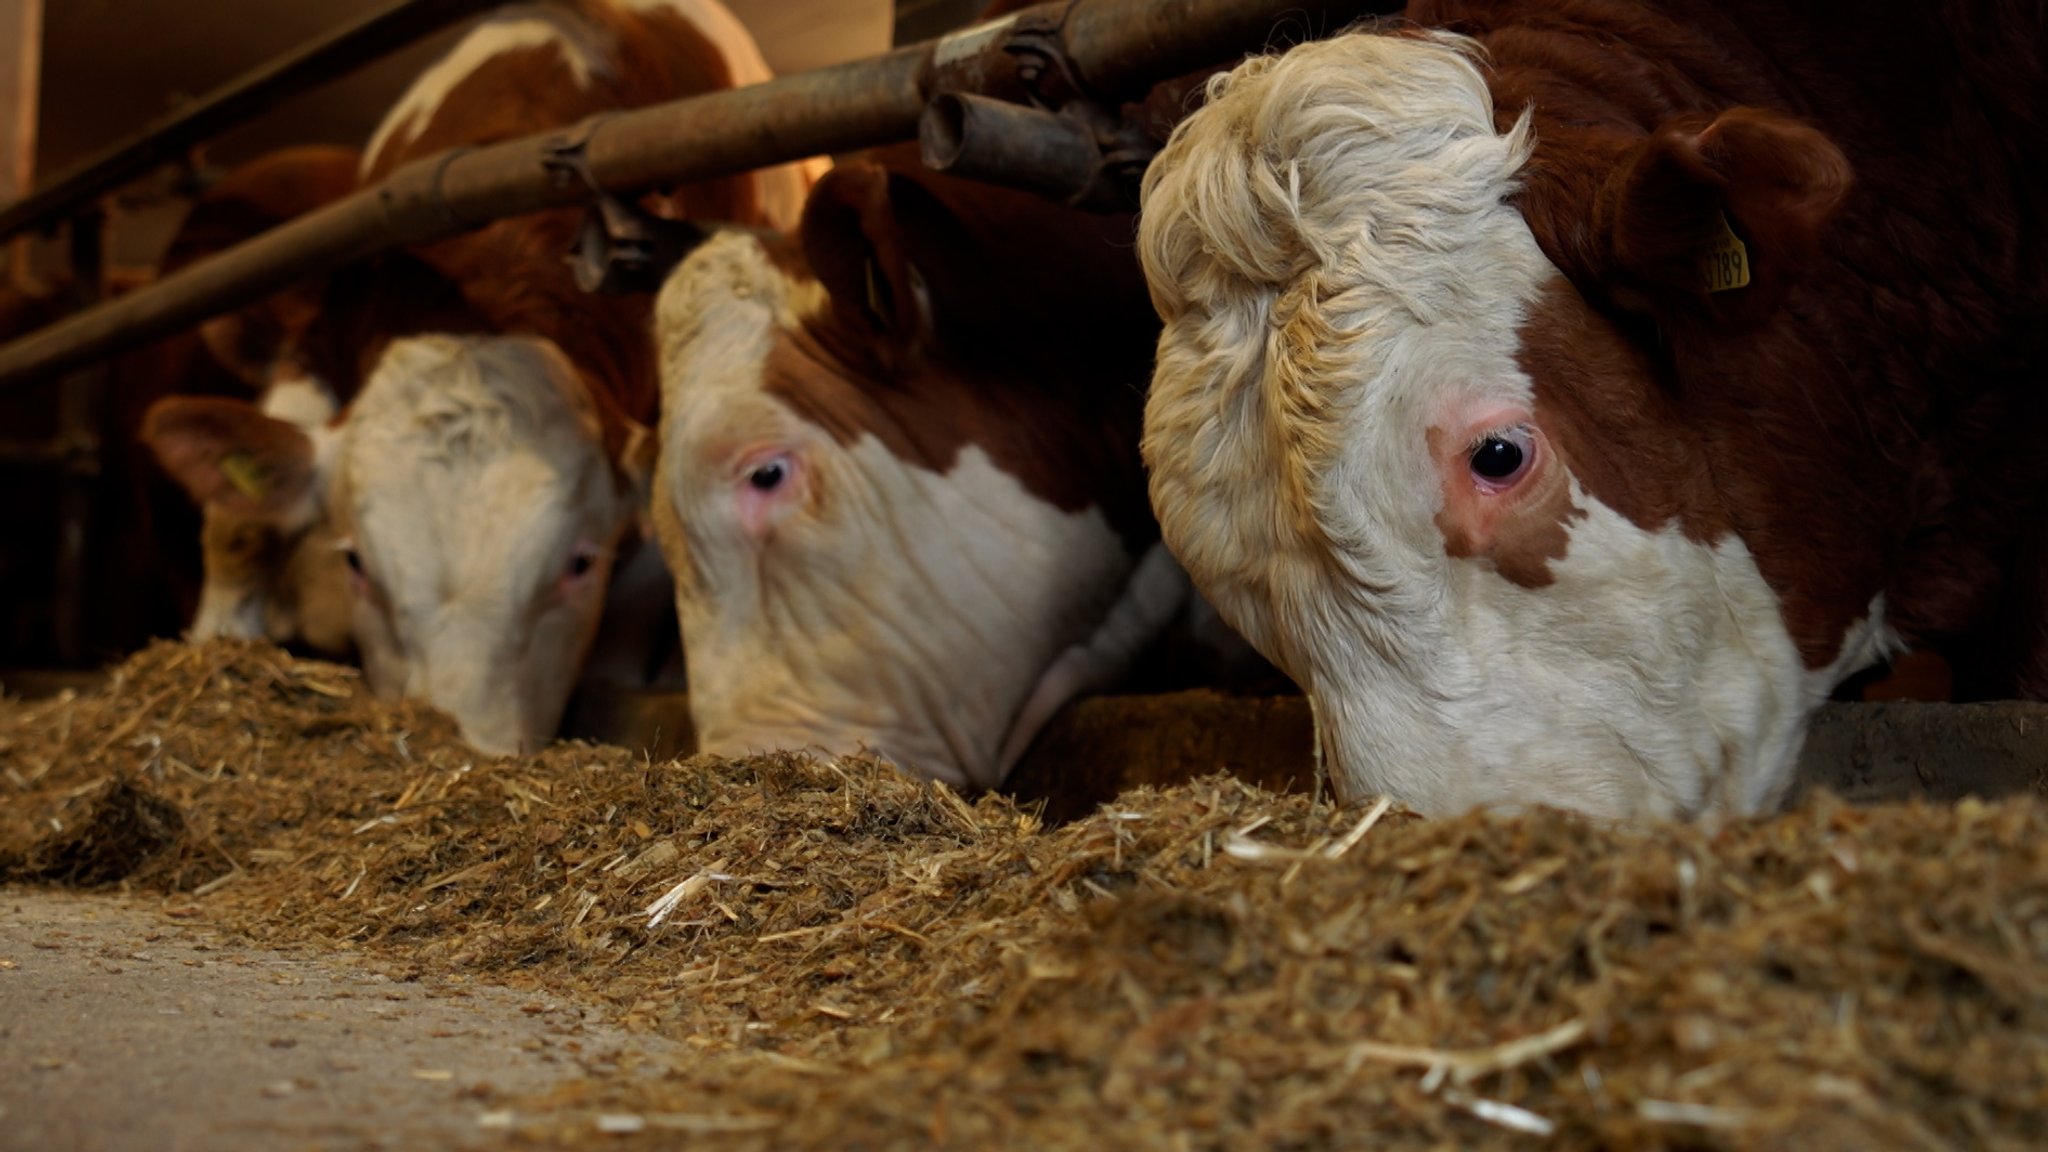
(1080, 155)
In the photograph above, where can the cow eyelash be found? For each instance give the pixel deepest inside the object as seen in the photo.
(1521, 431)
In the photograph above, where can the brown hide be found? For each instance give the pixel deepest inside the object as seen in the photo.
(1860, 414)
(511, 274)
(248, 201)
(1036, 346)
(368, 304)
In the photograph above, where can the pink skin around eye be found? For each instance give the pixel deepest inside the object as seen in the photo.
(581, 566)
(766, 482)
(1476, 502)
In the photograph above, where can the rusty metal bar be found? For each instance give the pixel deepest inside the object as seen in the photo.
(1126, 48)
(1119, 47)
(255, 92)
(978, 138)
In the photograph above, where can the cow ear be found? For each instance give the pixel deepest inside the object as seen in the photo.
(227, 454)
(856, 247)
(1729, 210)
(635, 461)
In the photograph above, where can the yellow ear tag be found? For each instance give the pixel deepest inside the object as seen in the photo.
(245, 474)
(1725, 262)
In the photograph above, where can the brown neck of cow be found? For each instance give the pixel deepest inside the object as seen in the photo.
(1057, 407)
(1827, 433)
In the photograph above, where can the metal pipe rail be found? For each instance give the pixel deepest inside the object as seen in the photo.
(328, 58)
(1107, 48)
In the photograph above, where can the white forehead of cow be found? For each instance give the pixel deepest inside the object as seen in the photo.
(719, 313)
(468, 464)
(464, 399)
(733, 265)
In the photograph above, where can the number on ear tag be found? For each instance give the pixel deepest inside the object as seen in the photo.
(1725, 263)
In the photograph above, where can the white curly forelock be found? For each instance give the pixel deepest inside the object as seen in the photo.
(1323, 205)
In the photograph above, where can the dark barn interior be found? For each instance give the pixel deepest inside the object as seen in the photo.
(96, 559)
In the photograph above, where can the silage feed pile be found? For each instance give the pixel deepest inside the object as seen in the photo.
(857, 961)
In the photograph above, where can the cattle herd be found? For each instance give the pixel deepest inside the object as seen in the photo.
(1568, 395)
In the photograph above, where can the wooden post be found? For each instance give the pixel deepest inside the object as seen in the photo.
(21, 74)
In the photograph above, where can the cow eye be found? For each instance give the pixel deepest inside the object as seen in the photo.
(581, 561)
(767, 477)
(1500, 457)
(353, 559)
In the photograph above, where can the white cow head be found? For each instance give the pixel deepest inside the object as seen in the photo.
(476, 491)
(1407, 459)
(897, 488)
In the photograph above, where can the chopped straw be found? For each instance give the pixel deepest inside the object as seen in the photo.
(834, 956)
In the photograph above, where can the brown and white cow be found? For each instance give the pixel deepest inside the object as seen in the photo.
(485, 478)
(261, 577)
(898, 482)
(1466, 416)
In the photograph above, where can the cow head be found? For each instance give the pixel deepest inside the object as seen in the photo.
(271, 562)
(273, 566)
(476, 491)
(898, 486)
(1448, 488)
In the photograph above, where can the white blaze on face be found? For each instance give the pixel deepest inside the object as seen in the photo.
(481, 515)
(832, 595)
(1349, 459)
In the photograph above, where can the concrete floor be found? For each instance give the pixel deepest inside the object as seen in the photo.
(123, 1028)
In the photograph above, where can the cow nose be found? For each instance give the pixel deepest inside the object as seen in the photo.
(489, 744)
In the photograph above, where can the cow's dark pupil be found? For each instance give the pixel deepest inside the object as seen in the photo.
(355, 561)
(1496, 459)
(580, 563)
(766, 477)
